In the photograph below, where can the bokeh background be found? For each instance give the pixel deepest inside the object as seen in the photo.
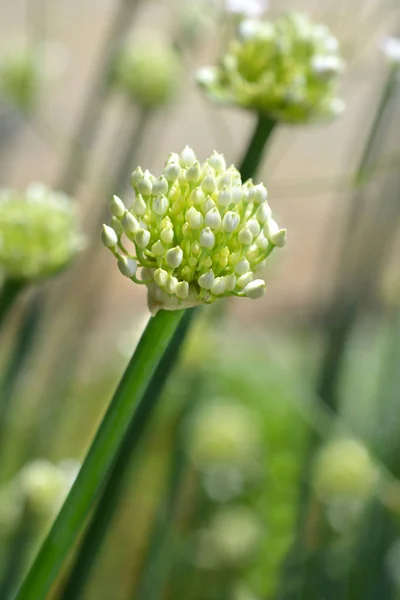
(271, 469)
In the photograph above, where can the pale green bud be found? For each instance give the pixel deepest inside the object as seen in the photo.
(170, 284)
(206, 280)
(254, 227)
(142, 238)
(207, 238)
(136, 176)
(167, 236)
(263, 213)
(145, 185)
(262, 242)
(139, 205)
(217, 162)
(182, 290)
(242, 267)
(160, 186)
(213, 219)
(158, 249)
(160, 205)
(230, 282)
(275, 235)
(109, 237)
(194, 172)
(259, 194)
(230, 221)
(245, 236)
(209, 184)
(187, 157)
(117, 207)
(117, 226)
(244, 279)
(224, 181)
(218, 287)
(127, 266)
(196, 220)
(160, 277)
(174, 257)
(255, 289)
(207, 205)
(172, 171)
(130, 223)
(198, 196)
(225, 197)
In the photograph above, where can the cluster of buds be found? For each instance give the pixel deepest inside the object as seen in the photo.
(148, 72)
(39, 232)
(198, 233)
(287, 69)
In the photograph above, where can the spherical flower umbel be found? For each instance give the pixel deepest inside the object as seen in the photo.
(288, 69)
(198, 232)
(39, 232)
(148, 71)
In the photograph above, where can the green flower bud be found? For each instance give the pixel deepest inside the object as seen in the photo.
(109, 237)
(289, 70)
(117, 207)
(255, 289)
(215, 251)
(148, 71)
(127, 266)
(39, 232)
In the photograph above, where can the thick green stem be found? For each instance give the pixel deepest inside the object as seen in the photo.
(104, 511)
(8, 294)
(254, 153)
(101, 455)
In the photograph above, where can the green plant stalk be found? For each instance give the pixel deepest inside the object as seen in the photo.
(8, 295)
(105, 445)
(253, 156)
(103, 513)
(99, 459)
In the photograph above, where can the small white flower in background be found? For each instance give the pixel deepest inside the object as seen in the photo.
(390, 46)
(247, 8)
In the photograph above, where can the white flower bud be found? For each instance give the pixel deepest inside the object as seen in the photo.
(224, 180)
(194, 172)
(236, 194)
(206, 280)
(160, 186)
(219, 286)
(160, 205)
(182, 290)
(173, 158)
(225, 197)
(127, 266)
(207, 238)
(254, 227)
(209, 184)
(158, 249)
(217, 162)
(170, 284)
(167, 235)
(136, 176)
(171, 172)
(263, 213)
(130, 223)
(160, 277)
(274, 234)
(142, 238)
(208, 204)
(117, 226)
(213, 219)
(261, 242)
(187, 157)
(197, 196)
(244, 279)
(145, 186)
(139, 206)
(255, 289)
(230, 221)
(260, 194)
(174, 257)
(196, 220)
(245, 236)
(117, 207)
(109, 237)
(242, 267)
(230, 282)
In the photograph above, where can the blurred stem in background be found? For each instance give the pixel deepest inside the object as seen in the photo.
(369, 235)
(252, 159)
(9, 292)
(18, 553)
(101, 455)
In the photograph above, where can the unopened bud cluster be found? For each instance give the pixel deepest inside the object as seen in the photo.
(288, 69)
(39, 232)
(148, 71)
(198, 233)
